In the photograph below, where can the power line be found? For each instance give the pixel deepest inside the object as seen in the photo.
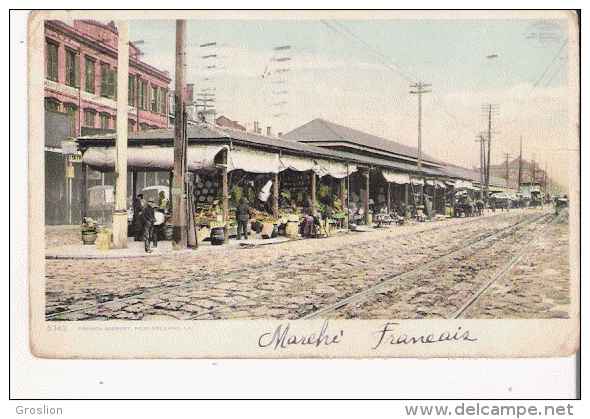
(395, 70)
(528, 97)
(550, 64)
(364, 49)
(371, 47)
(558, 70)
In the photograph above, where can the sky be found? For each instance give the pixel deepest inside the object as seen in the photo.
(356, 69)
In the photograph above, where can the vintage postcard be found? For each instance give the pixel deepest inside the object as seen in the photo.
(304, 184)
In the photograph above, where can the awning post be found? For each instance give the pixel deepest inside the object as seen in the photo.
(275, 194)
(224, 193)
(313, 191)
(367, 197)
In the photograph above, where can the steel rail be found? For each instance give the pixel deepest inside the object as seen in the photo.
(234, 274)
(258, 297)
(503, 270)
(360, 295)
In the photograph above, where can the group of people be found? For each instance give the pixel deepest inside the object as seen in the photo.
(144, 221)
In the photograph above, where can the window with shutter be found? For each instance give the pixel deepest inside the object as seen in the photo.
(89, 75)
(131, 91)
(51, 61)
(104, 80)
(72, 68)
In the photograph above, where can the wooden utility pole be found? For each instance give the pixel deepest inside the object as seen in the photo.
(420, 89)
(490, 109)
(507, 156)
(179, 233)
(120, 213)
(520, 167)
(367, 208)
(482, 164)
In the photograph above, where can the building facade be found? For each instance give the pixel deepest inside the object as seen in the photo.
(532, 176)
(81, 78)
(80, 85)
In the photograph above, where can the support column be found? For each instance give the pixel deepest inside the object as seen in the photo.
(134, 185)
(313, 191)
(170, 180)
(388, 197)
(367, 197)
(224, 195)
(433, 207)
(275, 194)
(343, 194)
(84, 190)
(406, 200)
(120, 213)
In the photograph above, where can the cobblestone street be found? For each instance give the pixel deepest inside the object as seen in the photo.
(293, 279)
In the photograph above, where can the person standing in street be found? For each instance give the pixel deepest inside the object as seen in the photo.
(148, 219)
(243, 215)
(138, 205)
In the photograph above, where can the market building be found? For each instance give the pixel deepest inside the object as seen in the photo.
(285, 178)
(392, 176)
(80, 90)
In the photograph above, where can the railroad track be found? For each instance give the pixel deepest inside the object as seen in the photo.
(231, 274)
(506, 268)
(368, 293)
(234, 275)
(298, 286)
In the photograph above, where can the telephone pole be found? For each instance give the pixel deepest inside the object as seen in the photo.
(207, 97)
(520, 167)
(482, 163)
(179, 215)
(420, 89)
(507, 156)
(489, 109)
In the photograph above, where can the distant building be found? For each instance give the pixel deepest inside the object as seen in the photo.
(532, 176)
(80, 90)
(223, 121)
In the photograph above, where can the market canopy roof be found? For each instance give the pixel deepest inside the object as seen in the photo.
(251, 152)
(151, 158)
(324, 133)
(400, 178)
(202, 158)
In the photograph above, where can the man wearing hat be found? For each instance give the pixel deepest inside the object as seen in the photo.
(138, 205)
(148, 218)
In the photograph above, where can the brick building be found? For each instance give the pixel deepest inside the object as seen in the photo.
(531, 175)
(80, 90)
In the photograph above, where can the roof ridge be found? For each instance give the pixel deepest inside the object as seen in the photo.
(327, 125)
